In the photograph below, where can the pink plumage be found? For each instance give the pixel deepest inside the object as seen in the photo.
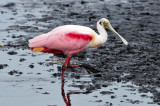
(38, 41)
(71, 39)
(65, 38)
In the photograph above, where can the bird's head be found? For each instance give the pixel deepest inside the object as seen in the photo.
(104, 22)
(106, 25)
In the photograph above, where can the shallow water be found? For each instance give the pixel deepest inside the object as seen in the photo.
(129, 75)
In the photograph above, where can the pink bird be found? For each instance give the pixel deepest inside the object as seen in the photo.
(71, 39)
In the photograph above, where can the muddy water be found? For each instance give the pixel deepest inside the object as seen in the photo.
(125, 75)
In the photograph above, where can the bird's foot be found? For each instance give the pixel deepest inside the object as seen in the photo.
(73, 66)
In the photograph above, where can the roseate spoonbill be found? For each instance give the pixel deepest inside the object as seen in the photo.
(71, 39)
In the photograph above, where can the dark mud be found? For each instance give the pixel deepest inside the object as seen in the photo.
(113, 74)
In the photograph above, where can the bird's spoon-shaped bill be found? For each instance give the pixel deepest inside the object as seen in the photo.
(111, 28)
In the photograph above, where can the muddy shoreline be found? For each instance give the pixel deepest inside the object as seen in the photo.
(135, 67)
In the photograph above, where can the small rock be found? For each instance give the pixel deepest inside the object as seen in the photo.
(13, 72)
(124, 95)
(45, 93)
(22, 59)
(83, 2)
(66, 5)
(12, 53)
(72, 14)
(31, 66)
(97, 75)
(112, 97)
(39, 88)
(95, 96)
(13, 36)
(56, 74)
(105, 85)
(3, 66)
(77, 77)
(119, 5)
(98, 101)
(106, 92)
(20, 72)
(9, 5)
(52, 81)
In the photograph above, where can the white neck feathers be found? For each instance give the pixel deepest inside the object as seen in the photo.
(102, 37)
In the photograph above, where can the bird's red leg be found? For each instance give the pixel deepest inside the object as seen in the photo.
(71, 66)
(67, 61)
(63, 67)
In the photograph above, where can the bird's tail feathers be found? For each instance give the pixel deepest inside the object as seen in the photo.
(37, 49)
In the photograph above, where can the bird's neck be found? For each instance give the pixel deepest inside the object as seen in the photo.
(102, 33)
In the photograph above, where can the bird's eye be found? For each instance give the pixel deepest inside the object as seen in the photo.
(100, 22)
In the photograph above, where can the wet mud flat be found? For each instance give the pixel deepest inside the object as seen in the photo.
(115, 74)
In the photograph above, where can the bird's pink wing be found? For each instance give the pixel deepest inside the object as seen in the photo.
(68, 41)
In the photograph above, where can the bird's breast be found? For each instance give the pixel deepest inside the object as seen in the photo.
(96, 41)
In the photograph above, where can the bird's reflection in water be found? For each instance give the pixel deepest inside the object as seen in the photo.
(66, 100)
(66, 97)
